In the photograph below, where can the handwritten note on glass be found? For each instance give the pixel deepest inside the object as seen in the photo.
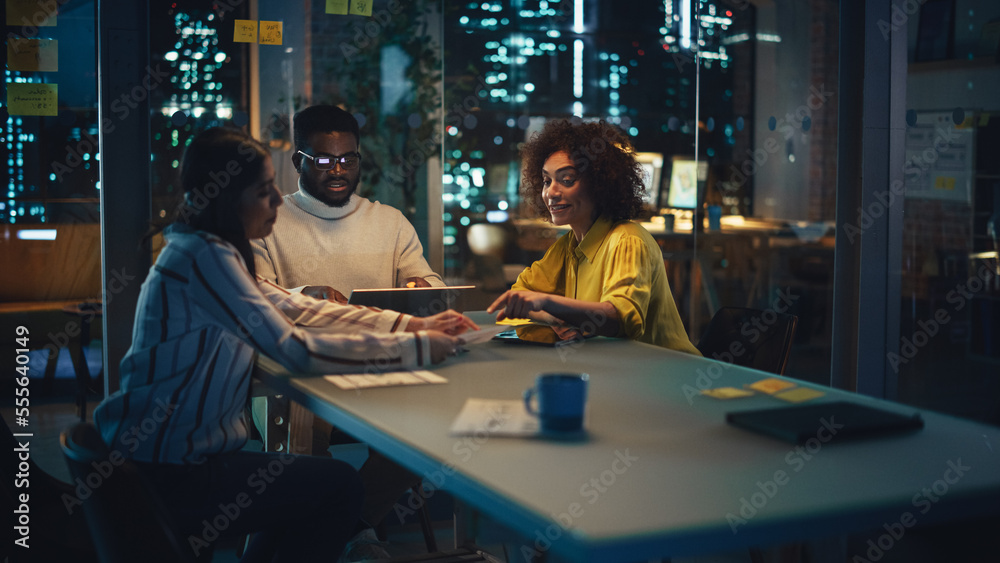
(270, 33)
(32, 99)
(245, 31)
(338, 7)
(32, 55)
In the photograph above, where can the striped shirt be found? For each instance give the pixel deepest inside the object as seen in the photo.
(200, 320)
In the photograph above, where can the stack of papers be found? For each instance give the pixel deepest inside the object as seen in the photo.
(495, 418)
(387, 379)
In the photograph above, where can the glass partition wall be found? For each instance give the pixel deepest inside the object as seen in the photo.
(949, 351)
(731, 109)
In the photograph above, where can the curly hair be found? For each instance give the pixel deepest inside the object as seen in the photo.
(603, 156)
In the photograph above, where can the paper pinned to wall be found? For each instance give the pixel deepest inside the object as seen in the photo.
(337, 7)
(32, 13)
(270, 33)
(939, 161)
(32, 98)
(245, 31)
(32, 55)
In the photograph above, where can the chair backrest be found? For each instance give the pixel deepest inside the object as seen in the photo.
(127, 519)
(63, 535)
(750, 337)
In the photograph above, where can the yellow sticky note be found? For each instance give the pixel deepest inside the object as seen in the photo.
(31, 13)
(245, 31)
(33, 55)
(338, 7)
(799, 395)
(515, 322)
(25, 98)
(771, 385)
(984, 119)
(727, 393)
(361, 7)
(270, 33)
(944, 183)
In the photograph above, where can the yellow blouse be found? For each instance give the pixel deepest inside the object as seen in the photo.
(620, 264)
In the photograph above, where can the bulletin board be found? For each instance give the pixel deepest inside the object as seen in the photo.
(940, 156)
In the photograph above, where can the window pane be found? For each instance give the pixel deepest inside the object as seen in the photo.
(949, 352)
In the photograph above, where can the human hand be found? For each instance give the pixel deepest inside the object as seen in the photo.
(416, 282)
(443, 345)
(324, 292)
(449, 322)
(517, 304)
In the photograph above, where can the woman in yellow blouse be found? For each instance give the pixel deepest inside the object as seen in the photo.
(607, 273)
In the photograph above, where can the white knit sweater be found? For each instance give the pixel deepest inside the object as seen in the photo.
(361, 245)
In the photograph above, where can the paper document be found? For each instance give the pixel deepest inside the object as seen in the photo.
(387, 379)
(483, 334)
(494, 417)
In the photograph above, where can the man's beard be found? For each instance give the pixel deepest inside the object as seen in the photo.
(319, 191)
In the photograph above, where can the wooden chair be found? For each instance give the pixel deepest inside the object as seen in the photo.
(750, 337)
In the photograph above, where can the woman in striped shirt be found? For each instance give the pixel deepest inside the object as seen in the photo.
(202, 317)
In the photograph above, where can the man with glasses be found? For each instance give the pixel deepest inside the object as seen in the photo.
(328, 240)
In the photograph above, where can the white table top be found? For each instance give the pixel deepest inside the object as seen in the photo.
(661, 473)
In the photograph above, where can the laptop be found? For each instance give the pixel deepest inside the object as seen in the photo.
(418, 301)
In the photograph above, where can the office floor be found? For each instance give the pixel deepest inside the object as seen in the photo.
(963, 541)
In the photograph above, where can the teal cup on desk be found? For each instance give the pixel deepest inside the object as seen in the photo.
(561, 400)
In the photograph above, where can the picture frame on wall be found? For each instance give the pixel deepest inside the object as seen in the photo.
(936, 31)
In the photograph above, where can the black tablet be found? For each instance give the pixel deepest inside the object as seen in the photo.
(828, 422)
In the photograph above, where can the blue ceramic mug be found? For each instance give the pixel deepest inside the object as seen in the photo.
(561, 398)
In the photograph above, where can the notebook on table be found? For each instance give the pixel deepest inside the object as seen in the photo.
(419, 301)
(837, 421)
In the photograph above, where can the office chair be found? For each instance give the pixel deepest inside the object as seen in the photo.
(56, 533)
(765, 342)
(127, 520)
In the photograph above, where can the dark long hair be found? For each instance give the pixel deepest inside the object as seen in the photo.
(217, 166)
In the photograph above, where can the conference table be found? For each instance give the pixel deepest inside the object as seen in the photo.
(659, 472)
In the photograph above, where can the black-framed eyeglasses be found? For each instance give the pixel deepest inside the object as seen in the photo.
(349, 161)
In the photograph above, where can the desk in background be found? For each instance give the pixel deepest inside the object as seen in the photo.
(662, 474)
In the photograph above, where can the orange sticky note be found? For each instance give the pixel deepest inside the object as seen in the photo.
(799, 395)
(33, 55)
(361, 7)
(725, 393)
(338, 7)
(245, 31)
(270, 33)
(771, 385)
(27, 98)
(31, 13)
